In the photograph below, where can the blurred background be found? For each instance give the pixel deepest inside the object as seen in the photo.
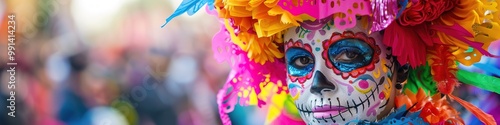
(108, 62)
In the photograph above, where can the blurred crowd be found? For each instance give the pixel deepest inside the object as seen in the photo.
(94, 62)
(83, 62)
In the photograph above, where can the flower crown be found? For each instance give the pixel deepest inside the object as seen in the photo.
(429, 35)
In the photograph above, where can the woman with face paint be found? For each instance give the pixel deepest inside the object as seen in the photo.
(335, 76)
(352, 61)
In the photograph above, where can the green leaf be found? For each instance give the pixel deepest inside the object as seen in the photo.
(421, 77)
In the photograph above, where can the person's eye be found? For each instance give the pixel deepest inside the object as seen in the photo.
(301, 62)
(347, 56)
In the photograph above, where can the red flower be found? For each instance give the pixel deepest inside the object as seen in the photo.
(425, 10)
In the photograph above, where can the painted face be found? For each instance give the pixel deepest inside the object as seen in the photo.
(338, 76)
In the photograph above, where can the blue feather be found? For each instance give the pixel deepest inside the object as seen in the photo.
(190, 7)
(197, 6)
(489, 69)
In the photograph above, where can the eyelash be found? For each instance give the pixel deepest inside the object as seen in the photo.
(293, 68)
(349, 50)
(296, 60)
(361, 59)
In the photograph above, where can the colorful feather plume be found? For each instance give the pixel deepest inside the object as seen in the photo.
(485, 82)
(421, 78)
(443, 68)
(480, 114)
(190, 7)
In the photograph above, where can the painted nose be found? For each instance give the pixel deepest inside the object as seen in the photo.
(320, 83)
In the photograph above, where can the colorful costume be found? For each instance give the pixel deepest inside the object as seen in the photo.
(431, 36)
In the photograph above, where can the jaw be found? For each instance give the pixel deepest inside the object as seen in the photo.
(355, 108)
(390, 102)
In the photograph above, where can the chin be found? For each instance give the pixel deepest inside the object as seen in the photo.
(340, 109)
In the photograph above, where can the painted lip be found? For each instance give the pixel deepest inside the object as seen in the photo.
(327, 111)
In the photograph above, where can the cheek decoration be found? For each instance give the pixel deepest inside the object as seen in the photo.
(295, 53)
(294, 90)
(364, 85)
(350, 54)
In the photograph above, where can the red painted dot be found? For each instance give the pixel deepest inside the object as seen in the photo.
(381, 95)
(363, 84)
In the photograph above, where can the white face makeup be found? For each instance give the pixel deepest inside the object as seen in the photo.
(338, 76)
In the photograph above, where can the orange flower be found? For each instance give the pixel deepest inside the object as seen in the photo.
(257, 26)
(433, 109)
(409, 99)
(439, 111)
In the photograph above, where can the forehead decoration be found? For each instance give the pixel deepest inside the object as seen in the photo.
(426, 34)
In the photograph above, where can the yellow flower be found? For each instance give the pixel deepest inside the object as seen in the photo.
(260, 25)
(481, 18)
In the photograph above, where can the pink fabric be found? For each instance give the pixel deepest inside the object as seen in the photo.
(320, 10)
(384, 12)
(245, 74)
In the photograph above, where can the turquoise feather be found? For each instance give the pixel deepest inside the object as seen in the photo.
(190, 7)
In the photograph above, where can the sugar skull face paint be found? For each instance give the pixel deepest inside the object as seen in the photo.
(338, 76)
